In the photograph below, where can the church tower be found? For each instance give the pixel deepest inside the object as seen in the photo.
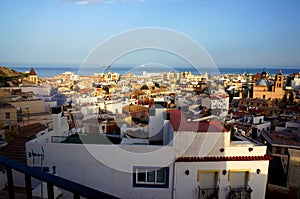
(33, 76)
(278, 84)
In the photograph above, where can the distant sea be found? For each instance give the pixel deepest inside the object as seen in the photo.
(47, 71)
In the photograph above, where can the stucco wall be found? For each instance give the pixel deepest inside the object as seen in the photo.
(187, 185)
(107, 167)
(35, 106)
(200, 144)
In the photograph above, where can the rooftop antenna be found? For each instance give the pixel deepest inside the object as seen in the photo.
(41, 157)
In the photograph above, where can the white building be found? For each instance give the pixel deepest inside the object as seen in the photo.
(258, 125)
(217, 102)
(179, 159)
(295, 83)
(37, 90)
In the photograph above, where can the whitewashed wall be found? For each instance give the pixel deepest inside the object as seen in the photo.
(187, 185)
(80, 163)
(156, 124)
(43, 91)
(200, 144)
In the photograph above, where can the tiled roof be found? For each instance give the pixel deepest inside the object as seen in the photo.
(218, 97)
(16, 149)
(222, 158)
(262, 82)
(284, 138)
(32, 72)
(134, 109)
(179, 123)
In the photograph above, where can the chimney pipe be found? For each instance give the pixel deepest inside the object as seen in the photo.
(56, 120)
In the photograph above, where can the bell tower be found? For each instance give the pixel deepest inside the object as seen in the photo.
(278, 85)
(33, 76)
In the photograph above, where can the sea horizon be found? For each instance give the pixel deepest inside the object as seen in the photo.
(49, 70)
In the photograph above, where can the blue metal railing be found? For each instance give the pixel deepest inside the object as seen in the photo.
(51, 180)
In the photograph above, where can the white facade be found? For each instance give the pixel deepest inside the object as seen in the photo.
(84, 164)
(156, 123)
(217, 102)
(173, 169)
(39, 91)
(187, 185)
(296, 82)
(262, 127)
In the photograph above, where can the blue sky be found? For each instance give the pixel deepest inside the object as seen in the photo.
(234, 32)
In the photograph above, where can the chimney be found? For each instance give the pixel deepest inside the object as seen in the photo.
(56, 120)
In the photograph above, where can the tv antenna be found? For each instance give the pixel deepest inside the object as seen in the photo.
(40, 157)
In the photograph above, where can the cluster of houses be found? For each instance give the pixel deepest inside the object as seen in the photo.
(163, 135)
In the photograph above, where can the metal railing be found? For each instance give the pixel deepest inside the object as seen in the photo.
(58, 139)
(240, 193)
(208, 193)
(50, 179)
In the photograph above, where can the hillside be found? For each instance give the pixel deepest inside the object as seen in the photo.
(9, 77)
(7, 72)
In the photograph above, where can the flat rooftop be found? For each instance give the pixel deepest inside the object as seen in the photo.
(284, 138)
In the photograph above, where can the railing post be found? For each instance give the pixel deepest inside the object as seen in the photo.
(10, 182)
(28, 186)
(76, 196)
(78, 190)
(50, 191)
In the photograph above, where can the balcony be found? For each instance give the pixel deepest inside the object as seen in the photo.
(208, 193)
(240, 193)
(51, 180)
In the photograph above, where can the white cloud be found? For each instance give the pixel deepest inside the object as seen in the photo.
(82, 2)
(86, 2)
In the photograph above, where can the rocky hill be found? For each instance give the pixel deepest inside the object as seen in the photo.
(7, 72)
(9, 77)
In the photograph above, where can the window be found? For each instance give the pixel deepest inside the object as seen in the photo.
(208, 178)
(239, 178)
(7, 115)
(151, 177)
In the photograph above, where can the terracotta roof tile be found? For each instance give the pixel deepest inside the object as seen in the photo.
(222, 158)
(134, 109)
(32, 72)
(179, 123)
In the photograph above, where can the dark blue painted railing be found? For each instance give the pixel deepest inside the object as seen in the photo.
(51, 180)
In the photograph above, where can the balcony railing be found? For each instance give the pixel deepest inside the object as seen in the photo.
(240, 193)
(208, 193)
(76, 189)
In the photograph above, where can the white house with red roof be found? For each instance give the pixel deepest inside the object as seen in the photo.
(178, 159)
(209, 164)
